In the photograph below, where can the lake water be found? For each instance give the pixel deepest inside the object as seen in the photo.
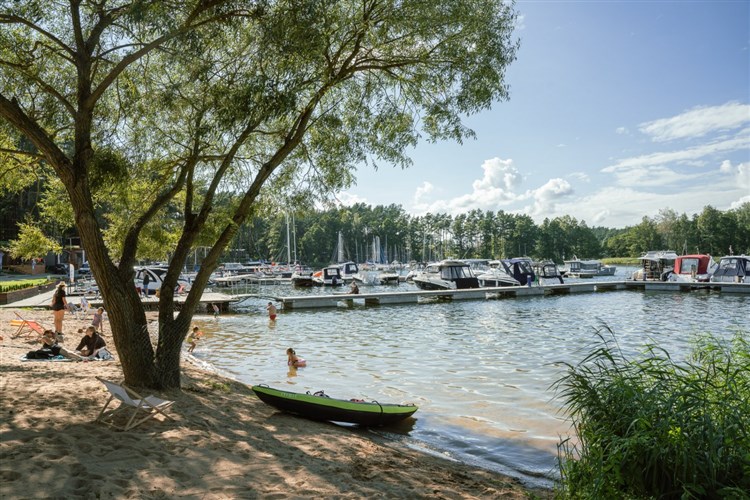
(480, 371)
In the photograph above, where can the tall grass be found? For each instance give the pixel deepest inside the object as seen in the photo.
(654, 428)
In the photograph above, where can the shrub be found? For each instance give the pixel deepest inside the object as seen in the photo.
(12, 286)
(651, 427)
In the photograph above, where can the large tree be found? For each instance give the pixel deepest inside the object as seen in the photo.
(194, 115)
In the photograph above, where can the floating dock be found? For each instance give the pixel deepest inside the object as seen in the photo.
(414, 297)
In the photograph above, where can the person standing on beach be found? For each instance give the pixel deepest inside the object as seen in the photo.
(146, 280)
(97, 321)
(216, 310)
(271, 311)
(59, 304)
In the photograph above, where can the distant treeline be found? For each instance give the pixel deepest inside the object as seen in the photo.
(388, 233)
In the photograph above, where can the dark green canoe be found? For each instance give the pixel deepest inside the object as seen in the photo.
(337, 410)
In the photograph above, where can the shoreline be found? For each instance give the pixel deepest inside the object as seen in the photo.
(223, 442)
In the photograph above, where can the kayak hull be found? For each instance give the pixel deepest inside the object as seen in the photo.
(371, 414)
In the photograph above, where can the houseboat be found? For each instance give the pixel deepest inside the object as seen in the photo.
(577, 268)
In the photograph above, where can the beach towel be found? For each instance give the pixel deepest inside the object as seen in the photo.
(53, 358)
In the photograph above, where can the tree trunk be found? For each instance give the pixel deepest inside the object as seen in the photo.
(130, 333)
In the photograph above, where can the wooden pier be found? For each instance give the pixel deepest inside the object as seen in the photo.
(414, 297)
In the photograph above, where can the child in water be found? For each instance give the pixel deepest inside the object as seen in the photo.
(193, 338)
(293, 359)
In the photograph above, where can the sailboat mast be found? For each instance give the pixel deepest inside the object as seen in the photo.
(288, 247)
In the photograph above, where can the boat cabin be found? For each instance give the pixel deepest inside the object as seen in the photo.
(656, 265)
(329, 276)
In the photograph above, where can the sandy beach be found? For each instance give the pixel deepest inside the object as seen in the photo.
(222, 443)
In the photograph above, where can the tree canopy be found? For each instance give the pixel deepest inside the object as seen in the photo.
(171, 123)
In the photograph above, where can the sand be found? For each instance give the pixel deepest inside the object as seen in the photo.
(223, 441)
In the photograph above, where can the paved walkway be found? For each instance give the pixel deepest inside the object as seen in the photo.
(44, 300)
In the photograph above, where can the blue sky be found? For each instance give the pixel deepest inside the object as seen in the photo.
(617, 110)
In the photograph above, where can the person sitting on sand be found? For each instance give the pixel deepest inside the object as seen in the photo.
(91, 343)
(293, 359)
(49, 344)
(193, 338)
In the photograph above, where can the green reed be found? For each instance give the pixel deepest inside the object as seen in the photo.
(654, 428)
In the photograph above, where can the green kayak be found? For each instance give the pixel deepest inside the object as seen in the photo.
(318, 406)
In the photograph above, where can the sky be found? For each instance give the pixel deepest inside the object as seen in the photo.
(617, 110)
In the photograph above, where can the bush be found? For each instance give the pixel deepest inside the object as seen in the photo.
(655, 428)
(12, 286)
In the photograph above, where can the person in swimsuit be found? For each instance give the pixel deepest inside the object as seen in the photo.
(59, 304)
(271, 311)
(193, 338)
(293, 359)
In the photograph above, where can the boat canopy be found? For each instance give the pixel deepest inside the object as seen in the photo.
(687, 264)
(733, 268)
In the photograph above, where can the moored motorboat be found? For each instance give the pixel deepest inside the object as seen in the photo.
(303, 279)
(656, 265)
(697, 268)
(446, 275)
(521, 268)
(328, 276)
(732, 269)
(318, 406)
(496, 276)
(577, 268)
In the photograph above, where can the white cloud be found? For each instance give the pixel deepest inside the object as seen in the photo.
(580, 176)
(740, 142)
(621, 131)
(743, 176)
(740, 202)
(347, 199)
(698, 122)
(423, 192)
(726, 167)
(546, 196)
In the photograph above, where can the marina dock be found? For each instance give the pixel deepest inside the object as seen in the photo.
(224, 300)
(414, 297)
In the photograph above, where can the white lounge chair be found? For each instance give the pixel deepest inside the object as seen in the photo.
(128, 398)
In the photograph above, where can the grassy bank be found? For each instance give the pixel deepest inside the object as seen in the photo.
(654, 428)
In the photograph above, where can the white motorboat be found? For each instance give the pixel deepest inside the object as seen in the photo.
(732, 269)
(446, 275)
(328, 276)
(696, 268)
(496, 275)
(656, 265)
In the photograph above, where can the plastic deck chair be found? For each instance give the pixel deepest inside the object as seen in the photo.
(128, 398)
(31, 325)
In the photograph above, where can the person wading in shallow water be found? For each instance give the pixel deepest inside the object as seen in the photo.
(271, 311)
